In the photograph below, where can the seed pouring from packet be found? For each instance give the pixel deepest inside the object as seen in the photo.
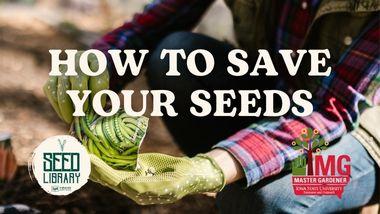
(115, 140)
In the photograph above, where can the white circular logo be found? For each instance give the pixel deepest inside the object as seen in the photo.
(61, 165)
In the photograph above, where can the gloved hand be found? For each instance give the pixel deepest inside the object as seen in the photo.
(55, 88)
(160, 178)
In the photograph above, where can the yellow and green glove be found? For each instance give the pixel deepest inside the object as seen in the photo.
(160, 178)
(56, 86)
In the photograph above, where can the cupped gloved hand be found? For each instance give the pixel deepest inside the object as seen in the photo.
(160, 178)
(56, 86)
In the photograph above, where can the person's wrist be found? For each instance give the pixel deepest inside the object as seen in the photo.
(207, 174)
(231, 168)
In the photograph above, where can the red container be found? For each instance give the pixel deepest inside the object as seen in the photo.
(8, 163)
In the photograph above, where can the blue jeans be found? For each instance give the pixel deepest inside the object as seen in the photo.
(210, 129)
(275, 194)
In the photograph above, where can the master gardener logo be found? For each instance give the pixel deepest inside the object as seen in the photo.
(61, 165)
(317, 174)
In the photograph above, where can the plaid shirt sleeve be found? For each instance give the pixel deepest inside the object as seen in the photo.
(263, 149)
(146, 29)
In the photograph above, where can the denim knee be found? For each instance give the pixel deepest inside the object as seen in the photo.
(278, 197)
(275, 195)
(158, 67)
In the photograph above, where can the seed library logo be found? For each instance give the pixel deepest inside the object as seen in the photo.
(61, 165)
(317, 174)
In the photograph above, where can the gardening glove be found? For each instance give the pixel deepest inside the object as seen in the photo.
(56, 86)
(160, 178)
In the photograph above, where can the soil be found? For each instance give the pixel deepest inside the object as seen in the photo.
(92, 198)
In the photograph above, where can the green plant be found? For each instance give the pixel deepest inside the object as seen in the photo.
(116, 139)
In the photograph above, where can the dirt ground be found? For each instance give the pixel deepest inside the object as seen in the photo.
(92, 198)
(25, 39)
